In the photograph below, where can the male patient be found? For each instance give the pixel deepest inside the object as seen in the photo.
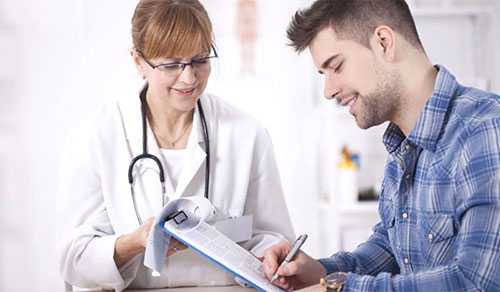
(440, 200)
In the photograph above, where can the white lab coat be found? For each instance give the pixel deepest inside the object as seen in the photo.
(96, 205)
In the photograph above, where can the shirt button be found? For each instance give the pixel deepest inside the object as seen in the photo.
(430, 236)
(408, 176)
(405, 215)
(406, 260)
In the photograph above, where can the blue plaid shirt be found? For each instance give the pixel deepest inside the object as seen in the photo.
(440, 201)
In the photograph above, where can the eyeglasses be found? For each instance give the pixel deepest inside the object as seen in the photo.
(174, 69)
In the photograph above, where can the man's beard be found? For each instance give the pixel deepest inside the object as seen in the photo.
(382, 104)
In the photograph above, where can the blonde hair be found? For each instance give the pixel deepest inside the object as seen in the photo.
(171, 28)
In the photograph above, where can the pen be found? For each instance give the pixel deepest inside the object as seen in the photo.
(291, 254)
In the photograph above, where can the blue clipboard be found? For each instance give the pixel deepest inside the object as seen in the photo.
(179, 218)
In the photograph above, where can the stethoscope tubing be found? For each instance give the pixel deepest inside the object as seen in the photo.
(146, 155)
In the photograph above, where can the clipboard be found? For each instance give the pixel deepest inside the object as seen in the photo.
(213, 245)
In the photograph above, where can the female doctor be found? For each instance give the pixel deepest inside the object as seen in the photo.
(110, 189)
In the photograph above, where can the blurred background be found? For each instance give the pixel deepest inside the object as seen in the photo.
(60, 60)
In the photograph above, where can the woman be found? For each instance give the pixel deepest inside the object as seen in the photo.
(107, 226)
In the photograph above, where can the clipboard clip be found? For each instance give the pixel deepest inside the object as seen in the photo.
(179, 217)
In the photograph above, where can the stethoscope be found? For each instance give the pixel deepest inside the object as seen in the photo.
(146, 155)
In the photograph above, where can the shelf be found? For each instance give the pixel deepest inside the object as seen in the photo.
(361, 207)
(357, 208)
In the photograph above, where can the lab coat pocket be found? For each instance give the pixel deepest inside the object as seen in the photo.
(438, 234)
(238, 229)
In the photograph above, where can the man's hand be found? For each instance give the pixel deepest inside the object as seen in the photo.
(303, 271)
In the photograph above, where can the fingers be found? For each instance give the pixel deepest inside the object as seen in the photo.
(270, 263)
(178, 244)
(290, 275)
(171, 251)
(290, 269)
(174, 247)
(148, 225)
(273, 256)
(149, 222)
(286, 275)
(283, 283)
(291, 283)
(142, 233)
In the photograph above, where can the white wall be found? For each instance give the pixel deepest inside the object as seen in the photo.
(60, 63)
(62, 58)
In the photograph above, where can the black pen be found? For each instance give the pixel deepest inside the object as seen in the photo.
(291, 254)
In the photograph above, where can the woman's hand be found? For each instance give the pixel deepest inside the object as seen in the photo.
(129, 245)
(175, 246)
(143, 234)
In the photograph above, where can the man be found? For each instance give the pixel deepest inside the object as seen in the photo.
(440, 199)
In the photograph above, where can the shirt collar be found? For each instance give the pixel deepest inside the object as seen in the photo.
(431, 120)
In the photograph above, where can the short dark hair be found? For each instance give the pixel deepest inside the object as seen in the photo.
(352, 19)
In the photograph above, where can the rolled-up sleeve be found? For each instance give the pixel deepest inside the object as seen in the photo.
(370, 258)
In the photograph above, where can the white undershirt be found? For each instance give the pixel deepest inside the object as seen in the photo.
(174, 160)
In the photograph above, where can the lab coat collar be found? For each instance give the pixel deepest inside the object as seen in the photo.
(196, 154)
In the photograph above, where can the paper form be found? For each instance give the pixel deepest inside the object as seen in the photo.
(212, 244)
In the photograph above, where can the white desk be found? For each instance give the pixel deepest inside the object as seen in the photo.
(198, 289)
(314, 288)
